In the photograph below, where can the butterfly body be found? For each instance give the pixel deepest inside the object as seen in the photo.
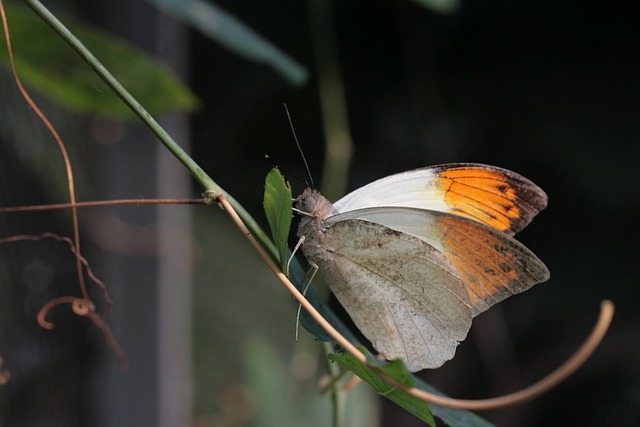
(413, 264)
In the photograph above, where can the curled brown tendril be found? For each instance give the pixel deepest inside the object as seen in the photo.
(80, 306)
(85, 308)
(42, 314)
(542, 386)
(72, 248)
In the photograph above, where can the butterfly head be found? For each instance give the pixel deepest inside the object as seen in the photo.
(312, 203)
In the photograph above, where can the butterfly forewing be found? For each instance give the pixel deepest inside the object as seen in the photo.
(493, 196)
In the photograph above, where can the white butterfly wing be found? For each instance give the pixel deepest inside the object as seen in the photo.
(491, 264)
(414, 256)
(493, 196)
(416, 188)
(403, 294)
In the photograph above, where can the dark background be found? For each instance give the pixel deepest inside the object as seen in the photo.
(547, 89)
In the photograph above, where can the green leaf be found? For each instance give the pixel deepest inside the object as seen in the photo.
(395, 370)
(278, 210)
(277, 207)
(47, 64)
(219, 25)
(452, 417)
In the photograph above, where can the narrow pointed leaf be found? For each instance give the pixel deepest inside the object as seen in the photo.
(396, 370)
(236, 36)
(419, 408)
(452, 417)
(277, 207)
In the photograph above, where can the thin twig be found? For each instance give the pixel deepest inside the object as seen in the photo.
(122, 93)
(83, 260)
(341, 340)
(550, 381)
(210, 187)
(55, 206)
(61, 147)
(216, 193)
(535, 390)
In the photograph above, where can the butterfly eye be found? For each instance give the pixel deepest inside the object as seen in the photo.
(306, 202)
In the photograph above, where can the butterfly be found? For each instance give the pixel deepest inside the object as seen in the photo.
(414, 256)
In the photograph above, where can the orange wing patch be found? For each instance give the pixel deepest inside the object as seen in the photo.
(496, 197)
(492, 265)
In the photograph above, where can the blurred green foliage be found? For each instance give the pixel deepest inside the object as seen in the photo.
(48, 65)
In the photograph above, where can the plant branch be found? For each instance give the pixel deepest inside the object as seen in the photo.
(266, 249)
(123, 94)
(208, 184)
(341, 340)
(545, 384)
(531, 392)
(54, 206)
(337, 394)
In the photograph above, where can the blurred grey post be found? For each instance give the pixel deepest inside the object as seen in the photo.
(152, 294)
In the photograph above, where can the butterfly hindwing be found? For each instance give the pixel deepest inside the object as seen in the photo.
(403, 295)
(492, 265)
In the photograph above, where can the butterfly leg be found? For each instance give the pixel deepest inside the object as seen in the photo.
(314, 268)
(295, 249)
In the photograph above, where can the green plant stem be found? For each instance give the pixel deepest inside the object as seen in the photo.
(337, 395)
(211, 188)
(128, 99)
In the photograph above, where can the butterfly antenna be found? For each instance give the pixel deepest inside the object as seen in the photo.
(295, 137)
(277, 166)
